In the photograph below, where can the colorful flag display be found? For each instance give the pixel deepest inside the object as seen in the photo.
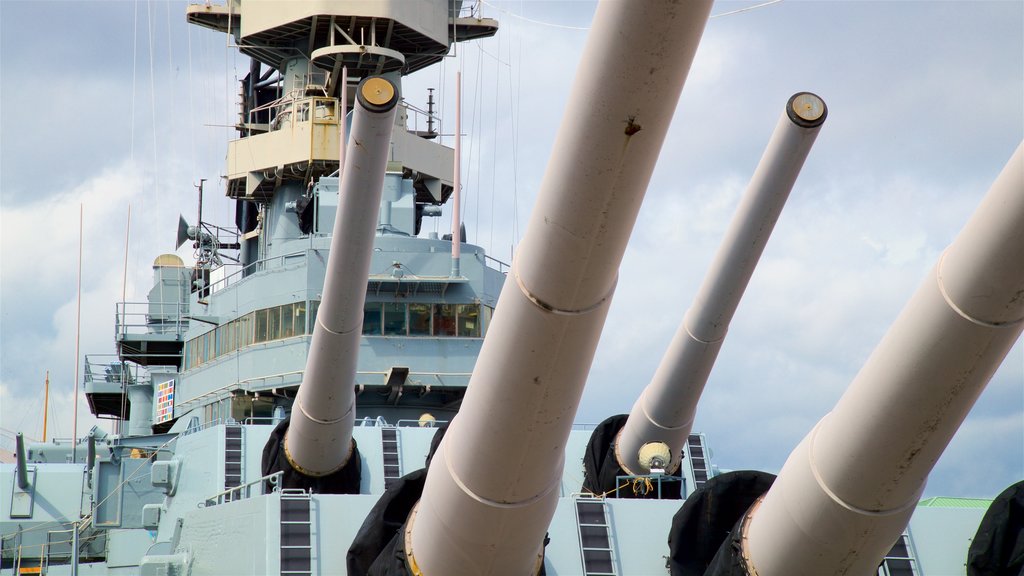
(165, 401)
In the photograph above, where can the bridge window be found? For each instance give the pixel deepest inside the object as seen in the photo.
(444, 320)
(379, 318)
(394, 319)
(372, 318)
(273, 323)
(419, 319)
(469, 320)
(244, 326)
(260, 334)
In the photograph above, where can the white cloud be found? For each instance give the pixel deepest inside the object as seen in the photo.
(925, 106)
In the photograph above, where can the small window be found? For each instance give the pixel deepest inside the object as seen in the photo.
(314, 307)
(299, 314)
(232, 335)
(419, 319)
(444, 320)
(224, 339)
(469, 320)
(287, 321)
(260, 334)
(274, 323)
(245, 329)
(205, 345)
(488, 315)
(371, 319)
(394, 319)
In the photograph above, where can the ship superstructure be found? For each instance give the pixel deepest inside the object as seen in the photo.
(281, 415)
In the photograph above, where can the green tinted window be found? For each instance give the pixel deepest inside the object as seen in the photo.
(469, 320)
(394, 319)
(371, 319)
(419, 319)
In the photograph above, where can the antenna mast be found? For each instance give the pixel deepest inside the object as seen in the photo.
(46, 403)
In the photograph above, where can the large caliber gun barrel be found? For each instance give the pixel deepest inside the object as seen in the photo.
(22, 459)
(493, 483)
(848, 490)
(319, 437)
(662, 416)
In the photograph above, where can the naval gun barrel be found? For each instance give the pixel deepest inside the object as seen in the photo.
(847, 491)
(493, 484)
(318, 441)
(660, 420)
(22, 458)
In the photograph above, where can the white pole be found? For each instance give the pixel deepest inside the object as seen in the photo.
(457, 183)
(664, 413)
(78, 336)
(847, 491)
(493, 483)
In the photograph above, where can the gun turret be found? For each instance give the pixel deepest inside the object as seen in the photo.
(316, 443)
(847, 491)
(492, 486)
(658, 425)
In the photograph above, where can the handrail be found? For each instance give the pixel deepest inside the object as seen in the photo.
(410, 423)
(626, 479)
(495, 264)
(246, 384)
(415, 113)
(257, 266)
(100, 368)
(169, 318)
(245, 491)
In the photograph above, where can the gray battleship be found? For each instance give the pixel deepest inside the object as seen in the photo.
(356, 398)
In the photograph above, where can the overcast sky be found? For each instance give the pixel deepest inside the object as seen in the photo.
(106, 104)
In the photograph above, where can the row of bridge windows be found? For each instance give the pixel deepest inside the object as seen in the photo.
(297, 319)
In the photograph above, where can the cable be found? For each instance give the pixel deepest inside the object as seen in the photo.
(531, 20)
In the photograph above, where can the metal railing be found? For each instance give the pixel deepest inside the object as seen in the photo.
(109, 368)
(150, 318)
(495, 264)
(410, 423)
(418, 116)
(257, 487)
(642, 484)
(271, 263)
